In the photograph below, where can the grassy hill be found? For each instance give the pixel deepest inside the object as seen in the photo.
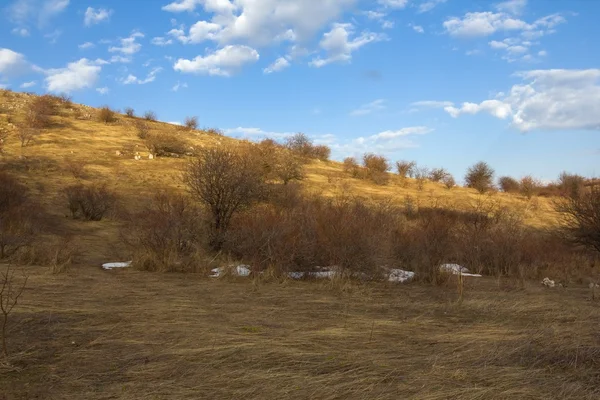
(76, 146)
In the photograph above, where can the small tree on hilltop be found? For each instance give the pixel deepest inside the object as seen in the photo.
(225, 183)
(508, 184)
(581, 218)
(571, 185)
(529, 186)
(191, 123)
(480, 177)
(300, 144)
(406, 168)
(376, 167)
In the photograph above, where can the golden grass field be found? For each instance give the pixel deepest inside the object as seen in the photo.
(94, 334)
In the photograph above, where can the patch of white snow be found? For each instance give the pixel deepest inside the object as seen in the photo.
(114, 265)
(399, 275)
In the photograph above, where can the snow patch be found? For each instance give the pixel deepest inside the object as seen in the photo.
(240, 270)
(549, 283)
(399, 275)
(456, 269)
(114, 265)
(322, 273)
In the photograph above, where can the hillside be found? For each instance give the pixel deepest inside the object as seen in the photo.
(77, 139)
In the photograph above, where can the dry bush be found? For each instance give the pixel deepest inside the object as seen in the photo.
(167, 235)
(142, 129)
(437, 174)
(571, 185)
(288, 168)
(3, 138)
(480, 177)
(130, 112)
(581, 218)
(76, 167)
(166, 144)
(449, 181)
(406, 169)
(376, 168)
(321, 152)
(39, 112)
(17, 216)
(213, 131)
(191, 123)
(150, 116)
(106, 115)
(11, 289)
(91, 202)
(27, 134)
(508, 184)
(224, 182)
(303, 146)
(421, 175)
(352, 167)
(529, 186)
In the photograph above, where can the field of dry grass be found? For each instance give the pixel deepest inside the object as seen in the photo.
(93, 334)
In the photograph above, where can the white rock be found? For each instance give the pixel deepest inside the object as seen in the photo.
(456, 269)
(399, 275)
(548, 282)
(150, 156)
(240, 270)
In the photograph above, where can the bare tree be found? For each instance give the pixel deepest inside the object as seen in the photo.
(421, 174)
(508, 184)
(130, 112)
(351, 166)
(480, 177)
(150, 116)
(288, 169)
(225, 183)
(191, 123)
(27, 135)
(406, 168)
(10, 292)
(106, 115)
(529, 186)
(571, 185)
(449, 181)
(581, 218)
(376, 167)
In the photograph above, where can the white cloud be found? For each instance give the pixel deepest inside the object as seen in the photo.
(393, 3)
(179, 86)
(151, 77)
(339, 46)
(77, 75)
(379, 16)
(120, 59)
(483, 24)
(86, 45)
(555, 99)
(417, 28)
(432, 104)
(161, 41)
(37, 11)
(222, 62)
(129, 45)
(512, 6)
(23, 32)
(255, 133)
(258, 23)
(95, 16)
(53, 36)
(369, 108)
(278, 65)
(429, 5)
(103, 90)
(385, 143)
(388, 135)
(542, 53)
(12, 63)
(27, 85)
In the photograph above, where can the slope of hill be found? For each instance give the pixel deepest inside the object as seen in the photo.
(78, 144)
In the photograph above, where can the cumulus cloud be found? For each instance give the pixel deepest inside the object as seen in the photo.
(161, 41)
(222, 62)
(12, 63)
(27, 85)
(278, 65)
(37, 11)
(338, 45)
(75, 76)
(133, 80)
(129, 45)
(95, 16)
(86, 45)
(386, 142)
(554, 99)
(369, 108)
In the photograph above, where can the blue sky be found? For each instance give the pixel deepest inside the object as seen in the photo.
(443, 82)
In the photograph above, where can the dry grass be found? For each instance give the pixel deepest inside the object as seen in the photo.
(93, 334)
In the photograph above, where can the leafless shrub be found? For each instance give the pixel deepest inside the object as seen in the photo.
(581, 218)
(571, 185)
(321, 152)
(224, 182)
(406, 169)
(214, 132)
(480, 177)
(288, 168)
(449, 181)
(26, 135)
(191, 123)
(150, 116)
(165, 236)
(76, 167)
(130, 112)
(17, 214)
(529, 186)
(352, 167)
(508, 184)
(165, 144)
(106, 115)
(421, 174)
(91, 202)
(303, 146)
(10, 292)
(39, 112)
(437, 174)
(376, 168)
(142, 129)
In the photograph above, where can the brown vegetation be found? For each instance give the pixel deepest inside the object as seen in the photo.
(106, 115)
(191, 123)
(480, 177)
(92, 202)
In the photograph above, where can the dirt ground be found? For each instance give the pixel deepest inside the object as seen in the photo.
(94, 334)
